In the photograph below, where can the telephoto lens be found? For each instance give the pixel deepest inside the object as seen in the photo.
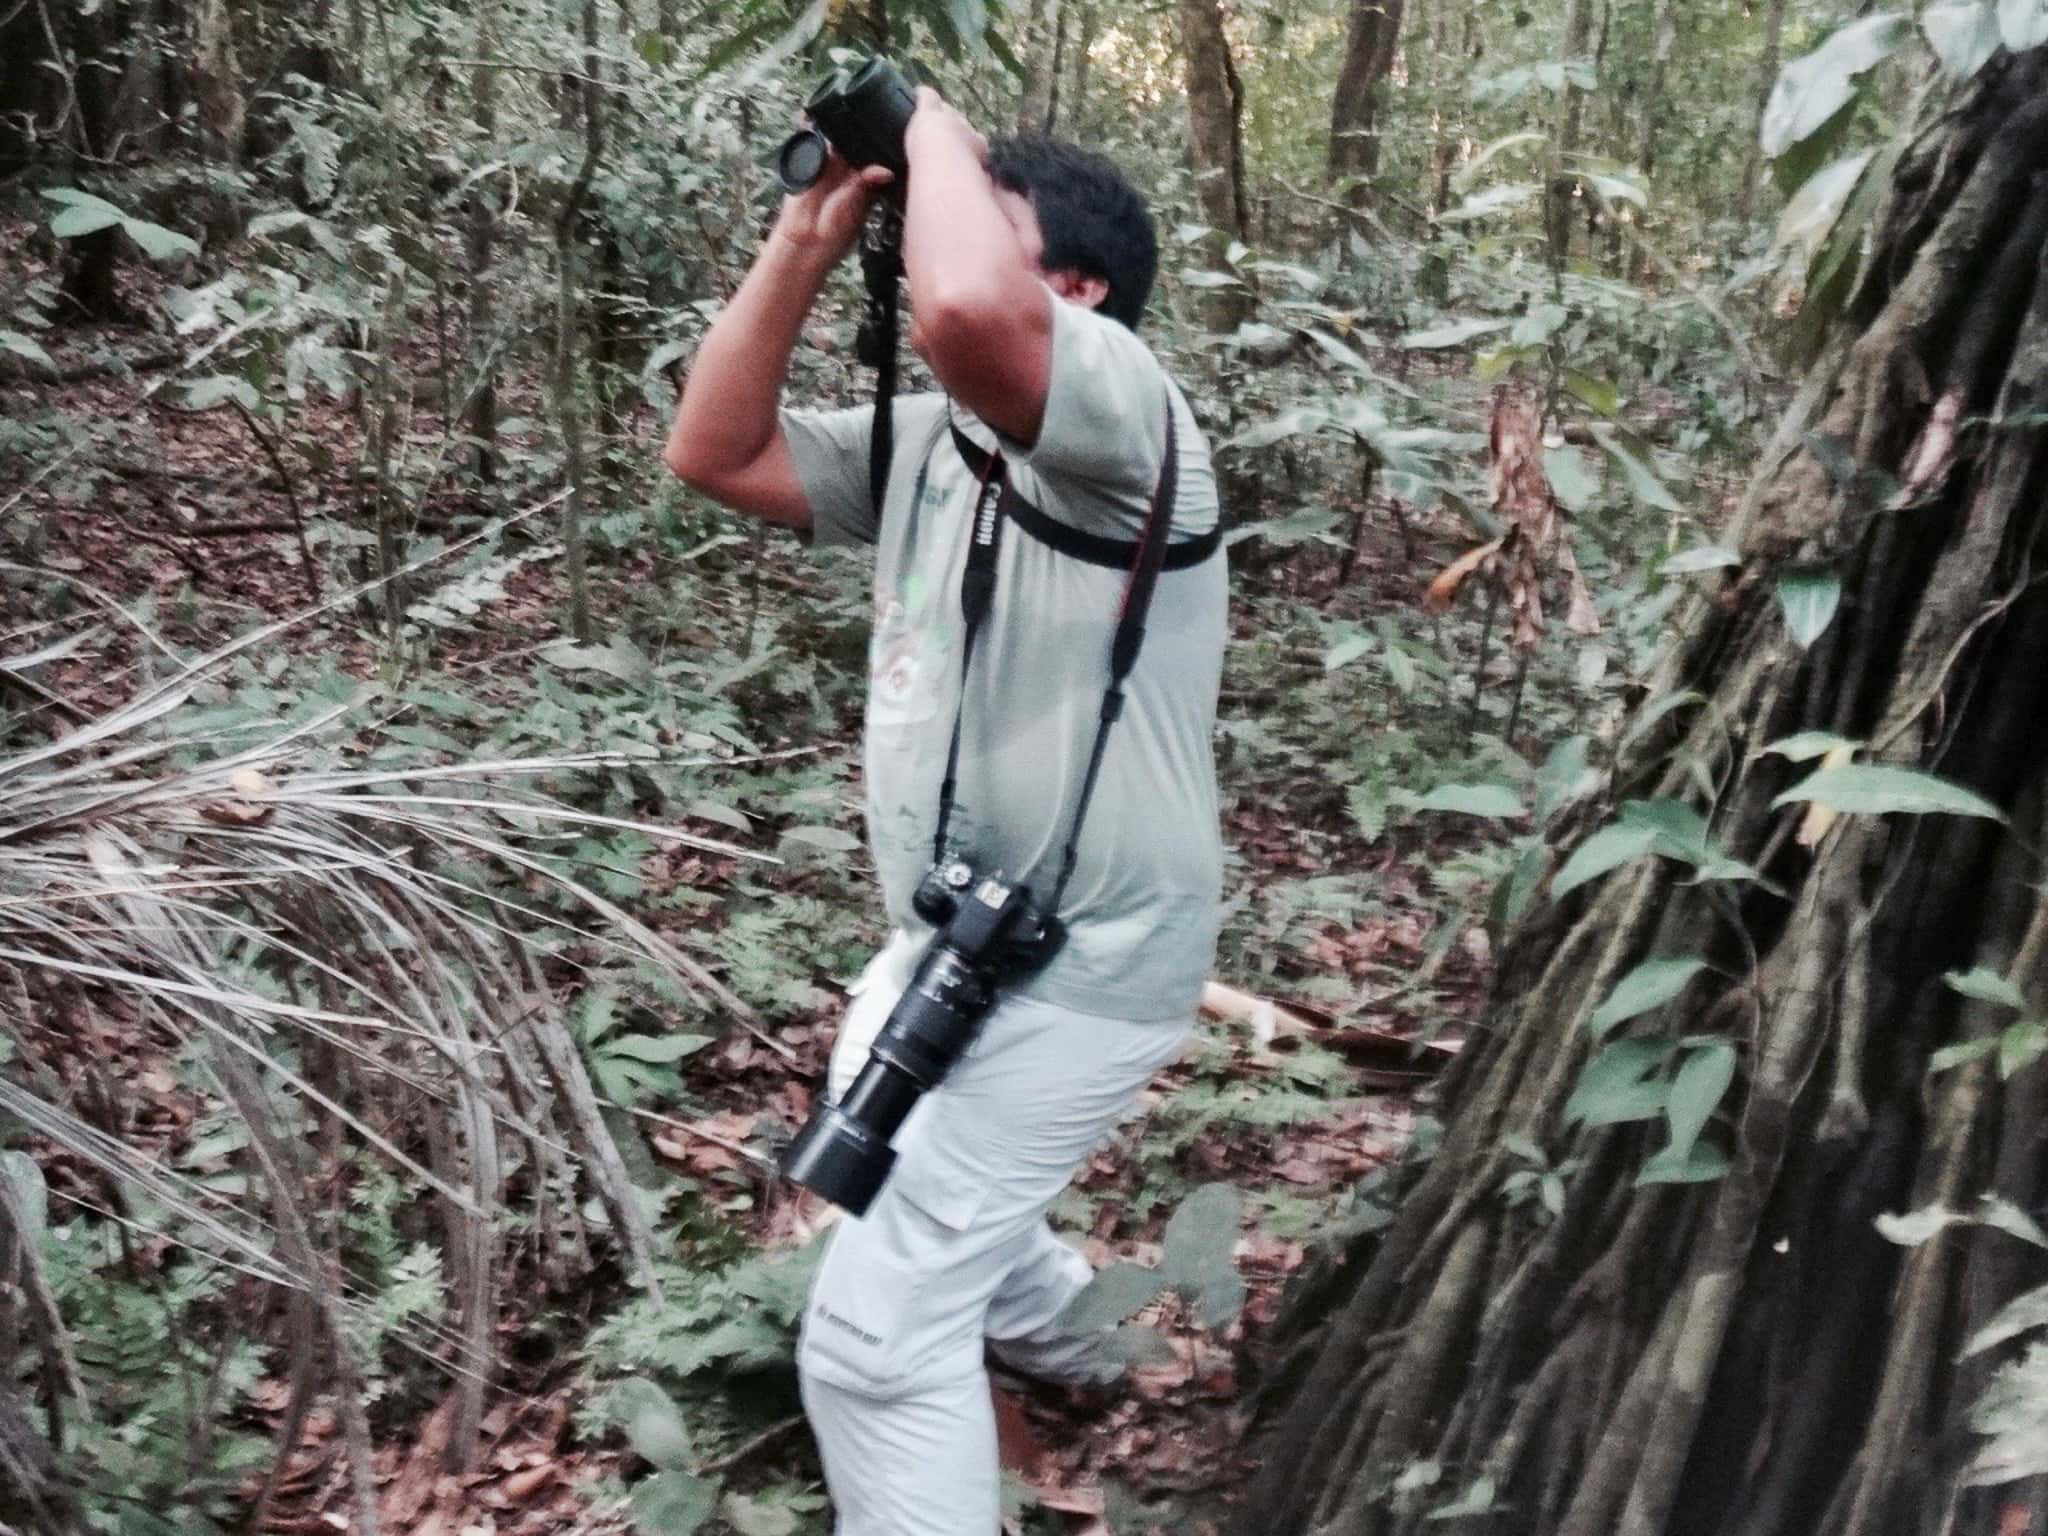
(844, 1153)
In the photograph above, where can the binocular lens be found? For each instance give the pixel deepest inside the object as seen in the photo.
(801, 160)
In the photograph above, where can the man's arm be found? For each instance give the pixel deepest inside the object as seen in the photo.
(981, 308)
(727, 439)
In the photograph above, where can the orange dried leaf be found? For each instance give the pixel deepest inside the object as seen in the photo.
(1444, 590)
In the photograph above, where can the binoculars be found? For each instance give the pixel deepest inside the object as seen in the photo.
(860, 113)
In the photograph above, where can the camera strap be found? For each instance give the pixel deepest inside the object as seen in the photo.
(997, 502)
(881, 269)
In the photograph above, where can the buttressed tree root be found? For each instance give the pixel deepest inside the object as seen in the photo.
(1748, 1354)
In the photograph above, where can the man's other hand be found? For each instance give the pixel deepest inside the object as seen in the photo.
(824, 220)
(936, 115)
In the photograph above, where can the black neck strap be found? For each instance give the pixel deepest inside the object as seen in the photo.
(881, 265)
(996, 503)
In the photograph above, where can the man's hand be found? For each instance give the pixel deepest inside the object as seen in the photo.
(824, 220)
(937, 117)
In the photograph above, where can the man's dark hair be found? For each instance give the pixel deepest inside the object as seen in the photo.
(1092, 218)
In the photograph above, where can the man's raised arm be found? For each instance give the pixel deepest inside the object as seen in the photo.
(727, 439)
(976, 294)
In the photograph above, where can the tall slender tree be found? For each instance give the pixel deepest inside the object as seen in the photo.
(1370, 44)
(1216, 138)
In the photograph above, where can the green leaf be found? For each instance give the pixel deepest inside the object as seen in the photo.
(1595, 394)
(1453, 334)
(1987, 986)
(2023, 23)
(1811, 90)
(831, 839)
(1468, 174)
(1701, 557)
(1804, 746)
(1701, 1165)
(1607, 849)
(1956, 1055)
(1879, 789)
(25, 346)
(659, 1050)
(1346, 651)
(1476, 1500)
(31, 1193)
(1913, 1228)
(1696, 1092)
(74, 222)
(2021, 1045)
(1201, 1233)
(1649, 986)
(219, 388)
(1491, 800)
(1571, 482)
(673, 1504)
(1809, 595)
(758, 1517)
(1962, 36)
(1493, 200)
(1116, 1294)
(617, 658)
(654, 1424)
(1811, 212)
(158, 243)
(1635, 467)
(2023, 1314)
(1622, 1083)
(2006, 1217)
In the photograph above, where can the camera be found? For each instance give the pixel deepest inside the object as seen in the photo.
(862, 113)
(989, 933)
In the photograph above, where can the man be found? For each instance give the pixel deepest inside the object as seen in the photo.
(1027, 267)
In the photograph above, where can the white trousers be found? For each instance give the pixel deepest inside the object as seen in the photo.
(955, 1256)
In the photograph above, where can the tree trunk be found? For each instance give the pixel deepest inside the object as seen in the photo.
(480, 240)
(91, 135)
(1767, 77)
(1746, 1355)
(1084, 47)
(1216, 139)
(1042, 27)
(1578, 38)
(568, 402)
(1354, 112)
(25, 74)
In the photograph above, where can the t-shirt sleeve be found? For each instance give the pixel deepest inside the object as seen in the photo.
(1105, 408)
(830, 451)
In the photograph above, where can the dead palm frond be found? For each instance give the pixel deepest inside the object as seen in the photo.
(358, 941)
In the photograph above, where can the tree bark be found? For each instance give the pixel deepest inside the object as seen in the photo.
(89, 127)
(1216, 139)
(1746, 1355)
(1369, 48)
(568, 402)
(1043, 25)
(1084, 47)
(480, 240)
(1578, 38)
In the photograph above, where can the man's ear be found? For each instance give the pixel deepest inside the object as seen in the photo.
(1078, 287)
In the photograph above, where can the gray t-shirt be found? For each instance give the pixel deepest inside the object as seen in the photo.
(1143, 903)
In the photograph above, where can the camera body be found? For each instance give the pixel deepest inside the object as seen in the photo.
(862, 113)
(990, 933)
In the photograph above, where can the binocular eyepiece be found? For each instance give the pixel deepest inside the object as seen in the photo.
(860, 113)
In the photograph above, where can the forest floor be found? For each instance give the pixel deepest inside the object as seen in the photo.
(208, 524)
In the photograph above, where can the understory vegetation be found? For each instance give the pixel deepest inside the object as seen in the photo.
(431, 860)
